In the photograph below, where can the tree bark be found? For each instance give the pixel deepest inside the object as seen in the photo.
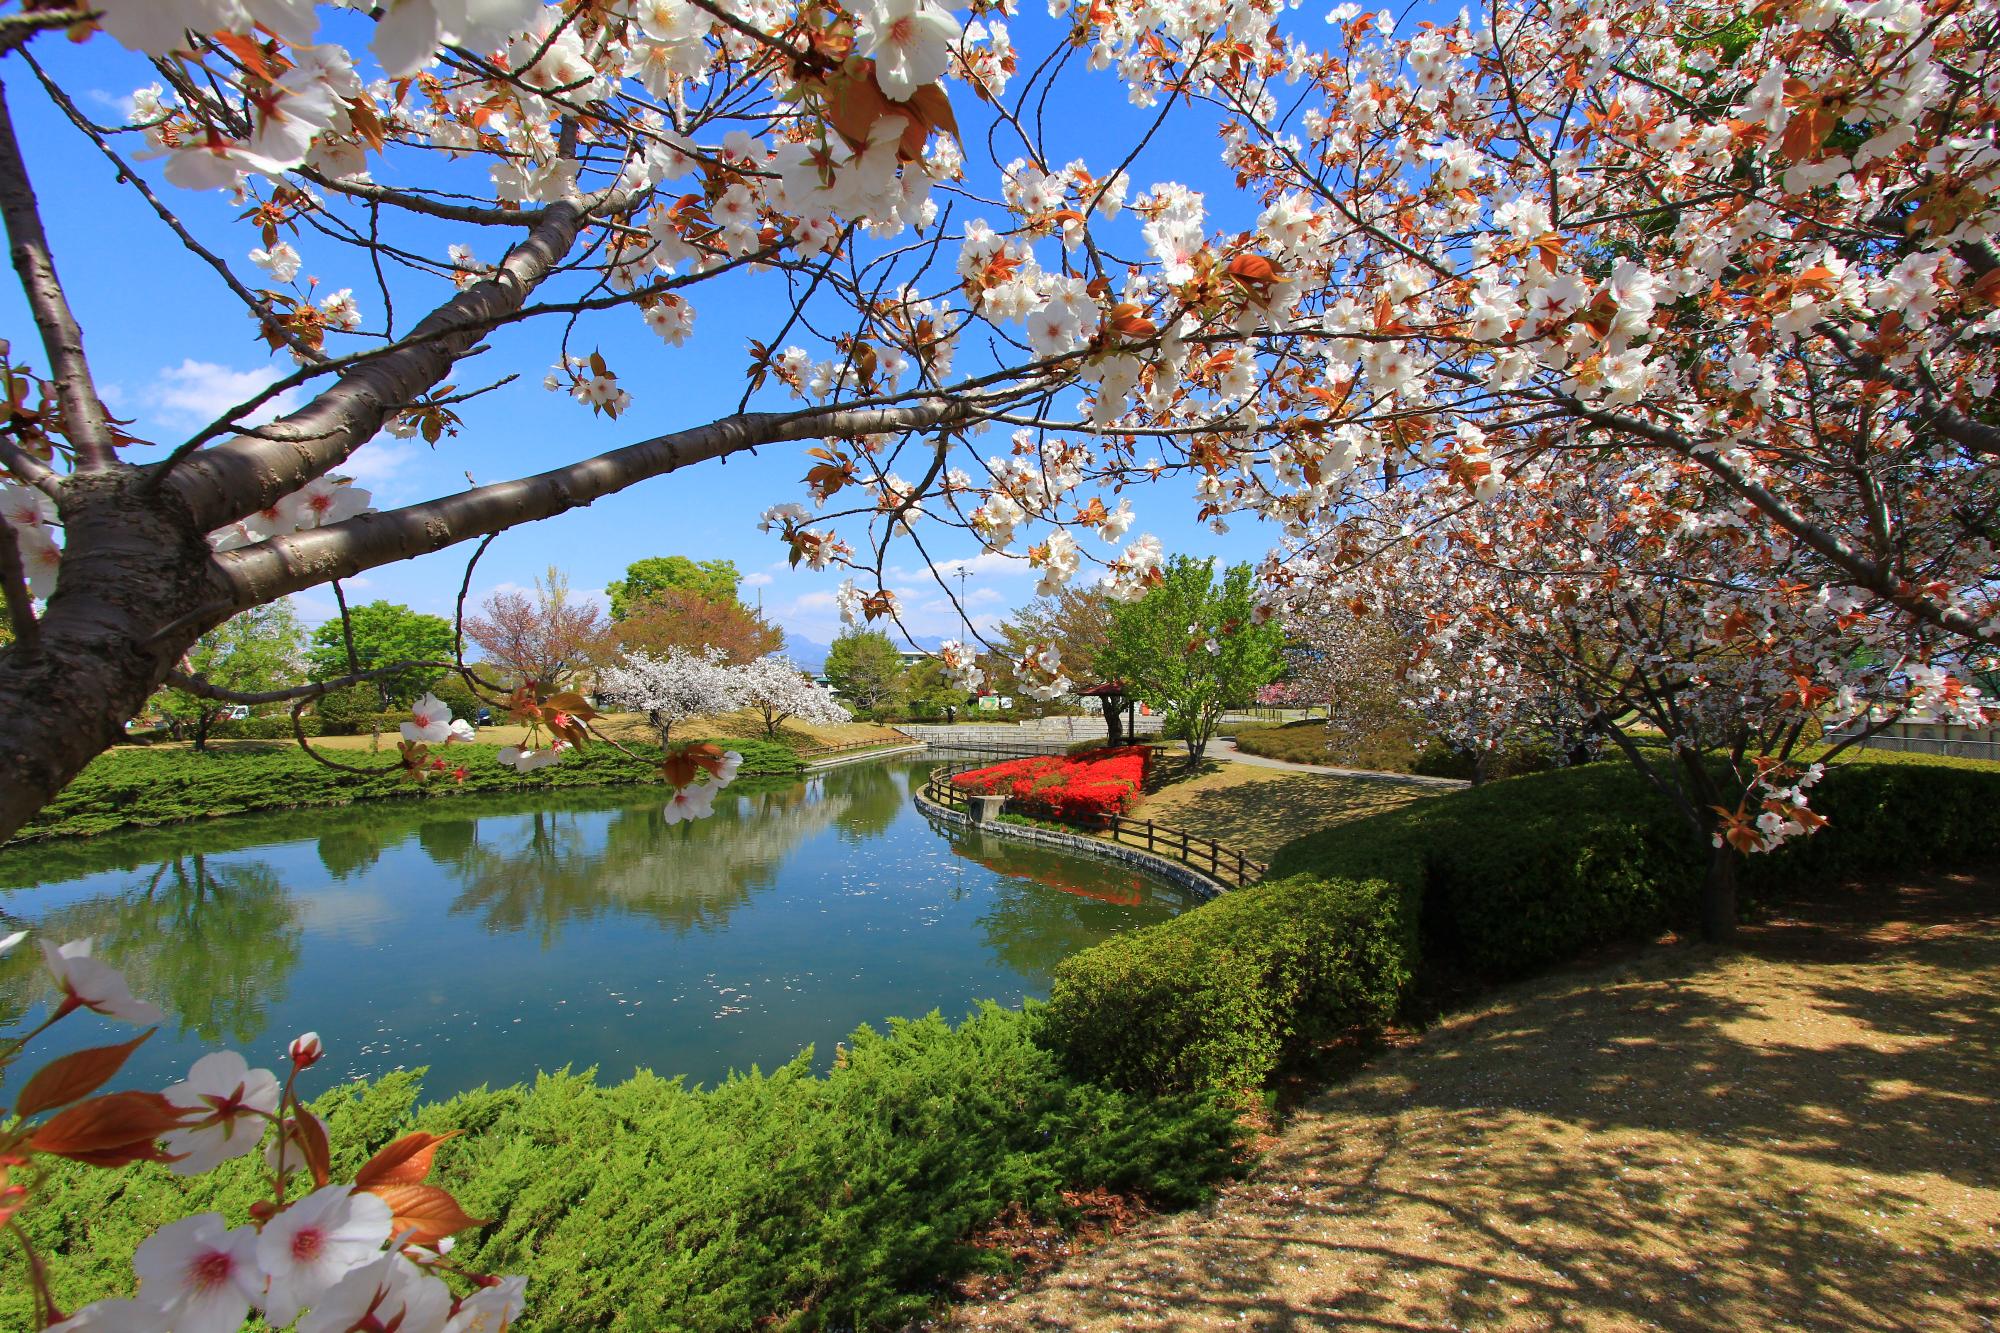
(1718, 895)
(137, 589)
(1113, 731)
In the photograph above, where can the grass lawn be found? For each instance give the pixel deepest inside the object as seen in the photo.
(1258, 810)
(1390, 751)
(1796, 1134)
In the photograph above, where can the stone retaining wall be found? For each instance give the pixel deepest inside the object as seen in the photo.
(1160, 867)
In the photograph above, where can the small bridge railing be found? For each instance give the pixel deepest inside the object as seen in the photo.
(1224, 864)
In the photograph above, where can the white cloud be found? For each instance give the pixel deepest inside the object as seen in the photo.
(758, 580)
(195, 393)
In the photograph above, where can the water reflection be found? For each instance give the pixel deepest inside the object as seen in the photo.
(488, 937)
(212, 944)
(561, 867)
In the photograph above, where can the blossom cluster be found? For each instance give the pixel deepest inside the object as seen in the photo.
(325, 1257)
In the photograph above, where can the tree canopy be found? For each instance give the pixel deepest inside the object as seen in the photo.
(1193, 647)
(1735, 267)
(260, 650)
(864, 668)
(681, 618)
(384, 634)
(645, 580)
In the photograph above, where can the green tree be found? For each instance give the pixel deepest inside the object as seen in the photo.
(258, 650)
(928, 690)
(385, 633)
(644, 579)
(1190, 648)
(865, 669)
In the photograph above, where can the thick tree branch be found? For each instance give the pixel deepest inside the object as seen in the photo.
(84, 419)
(243, 475)
(288, 564)
(14, 587)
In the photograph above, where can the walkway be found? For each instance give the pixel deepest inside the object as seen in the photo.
(1796, 1135)
(1225, 749)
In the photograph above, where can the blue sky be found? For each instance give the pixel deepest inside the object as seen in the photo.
(171, 349)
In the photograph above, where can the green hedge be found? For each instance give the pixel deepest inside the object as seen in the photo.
(141, 787)
(772, 1200)
(1220, 996)
(1499, 880)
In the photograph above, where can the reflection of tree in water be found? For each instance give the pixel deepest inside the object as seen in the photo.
(1048, 905)
(876, 794)
(684, 876)
(212, 944)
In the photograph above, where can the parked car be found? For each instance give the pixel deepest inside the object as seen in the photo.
(485, 717)
(237, 713)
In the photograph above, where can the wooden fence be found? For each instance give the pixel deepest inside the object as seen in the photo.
(1223, 864)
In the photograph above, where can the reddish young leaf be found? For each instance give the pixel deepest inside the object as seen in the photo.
(311, 1138)
(75, 1076)
(111, 1130)
(405, 1162)
(428, 1213)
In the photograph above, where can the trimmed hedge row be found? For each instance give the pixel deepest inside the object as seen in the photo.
(1500, 880)
(142, 787)
(777, 1200)
(1219, 996)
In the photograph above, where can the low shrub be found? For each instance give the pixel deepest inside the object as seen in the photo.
(1499, 880)
(275, 727)
(348, 712)
(141, 787)
(1086, 788)
(1220, 997)
(772, 1200)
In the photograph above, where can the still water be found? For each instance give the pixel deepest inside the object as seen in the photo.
(487, 938)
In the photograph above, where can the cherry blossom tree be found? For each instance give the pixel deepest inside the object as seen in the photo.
(1756, 243)
(1640, 605)
(777, 689)
(672, 688)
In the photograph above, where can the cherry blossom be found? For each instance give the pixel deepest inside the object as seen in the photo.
(198, 1276)
(87, 983)
(526, 760)
(316, 1242)
(491, 1309)
(910, 42)
(695, 801)
(390, 1292)
(235, 1103)
(430, 722)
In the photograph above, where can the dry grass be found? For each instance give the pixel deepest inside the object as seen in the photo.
(631, 727)
(1258, 810)
(1799, 1134)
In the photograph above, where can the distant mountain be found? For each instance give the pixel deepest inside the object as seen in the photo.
(809, 654)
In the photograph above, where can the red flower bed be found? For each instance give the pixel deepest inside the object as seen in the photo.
(1083, 788)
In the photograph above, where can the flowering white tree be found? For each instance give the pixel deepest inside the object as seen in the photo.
(1629, 603)
(1759, 244)
(777, 689)
(672, 688)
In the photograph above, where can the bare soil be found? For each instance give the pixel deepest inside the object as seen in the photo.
(1796, 1133)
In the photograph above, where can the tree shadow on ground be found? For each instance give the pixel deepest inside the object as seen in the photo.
(1798, 1133)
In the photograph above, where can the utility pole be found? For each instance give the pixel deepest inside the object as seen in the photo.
(964, 616)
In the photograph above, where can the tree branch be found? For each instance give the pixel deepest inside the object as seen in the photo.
(84, 418)
(271, 569)
(243, 475)
(14, 586)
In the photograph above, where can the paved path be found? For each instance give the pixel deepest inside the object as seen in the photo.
(1225, 749)
(1795, 1135)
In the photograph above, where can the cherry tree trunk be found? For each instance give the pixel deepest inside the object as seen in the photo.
(137, 589)
(1718, 894)
(1113, 722)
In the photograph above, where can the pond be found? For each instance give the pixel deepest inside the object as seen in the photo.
(491, 937)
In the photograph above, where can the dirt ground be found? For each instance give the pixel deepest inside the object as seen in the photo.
(1798, 1134)
(1258, 810)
